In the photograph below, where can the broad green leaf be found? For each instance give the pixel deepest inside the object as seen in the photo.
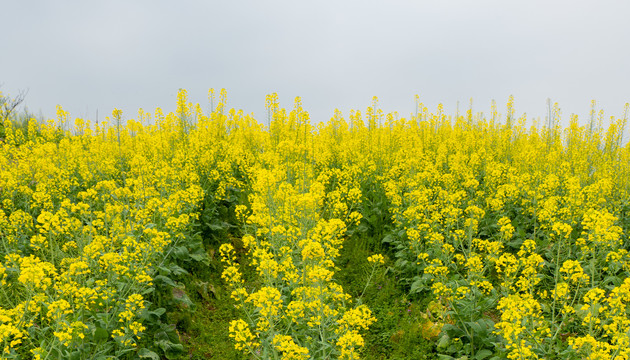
(148, 354)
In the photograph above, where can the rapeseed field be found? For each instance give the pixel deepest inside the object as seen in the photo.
(502, 238)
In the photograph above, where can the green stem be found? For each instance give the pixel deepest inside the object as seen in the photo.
(555, 277)
(367, 284)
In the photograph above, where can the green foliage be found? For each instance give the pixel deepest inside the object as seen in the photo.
(403, 329)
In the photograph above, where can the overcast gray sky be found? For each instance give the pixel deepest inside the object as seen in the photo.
(89, 55)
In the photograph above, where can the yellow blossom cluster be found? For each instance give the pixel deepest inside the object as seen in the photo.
(87, 213)
(527, 225)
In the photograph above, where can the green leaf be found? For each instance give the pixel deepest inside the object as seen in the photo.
(612, 280)
(174, 351)
(171, 350)
(164, 270)
(443, 342)
(181, 253)
(148, 291)
(164, 279)
(482, 354)
(159, 311)
(177, 270)
(388, 239)
(199, 256)
(475, 326)
(216, 227)
(453, 331)
(417, 286)
(205, 289)
(515, 244)
(100, 334)
(148, 354)
(180, 295)
(167, 333)
(153, 315)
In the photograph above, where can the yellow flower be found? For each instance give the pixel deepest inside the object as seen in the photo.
(136, 327)
(357, 318)
(289, 349)
(572, 271)
(36, 273)
(242, 335)
(506, 228)
(268, 303)
(376, 259)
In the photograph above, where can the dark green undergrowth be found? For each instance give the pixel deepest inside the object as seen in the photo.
(400, 331)
(204, 330)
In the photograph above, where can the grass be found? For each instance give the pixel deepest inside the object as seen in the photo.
(401, 329)
(203, 329)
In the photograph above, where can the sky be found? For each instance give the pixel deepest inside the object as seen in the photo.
(94, 56)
